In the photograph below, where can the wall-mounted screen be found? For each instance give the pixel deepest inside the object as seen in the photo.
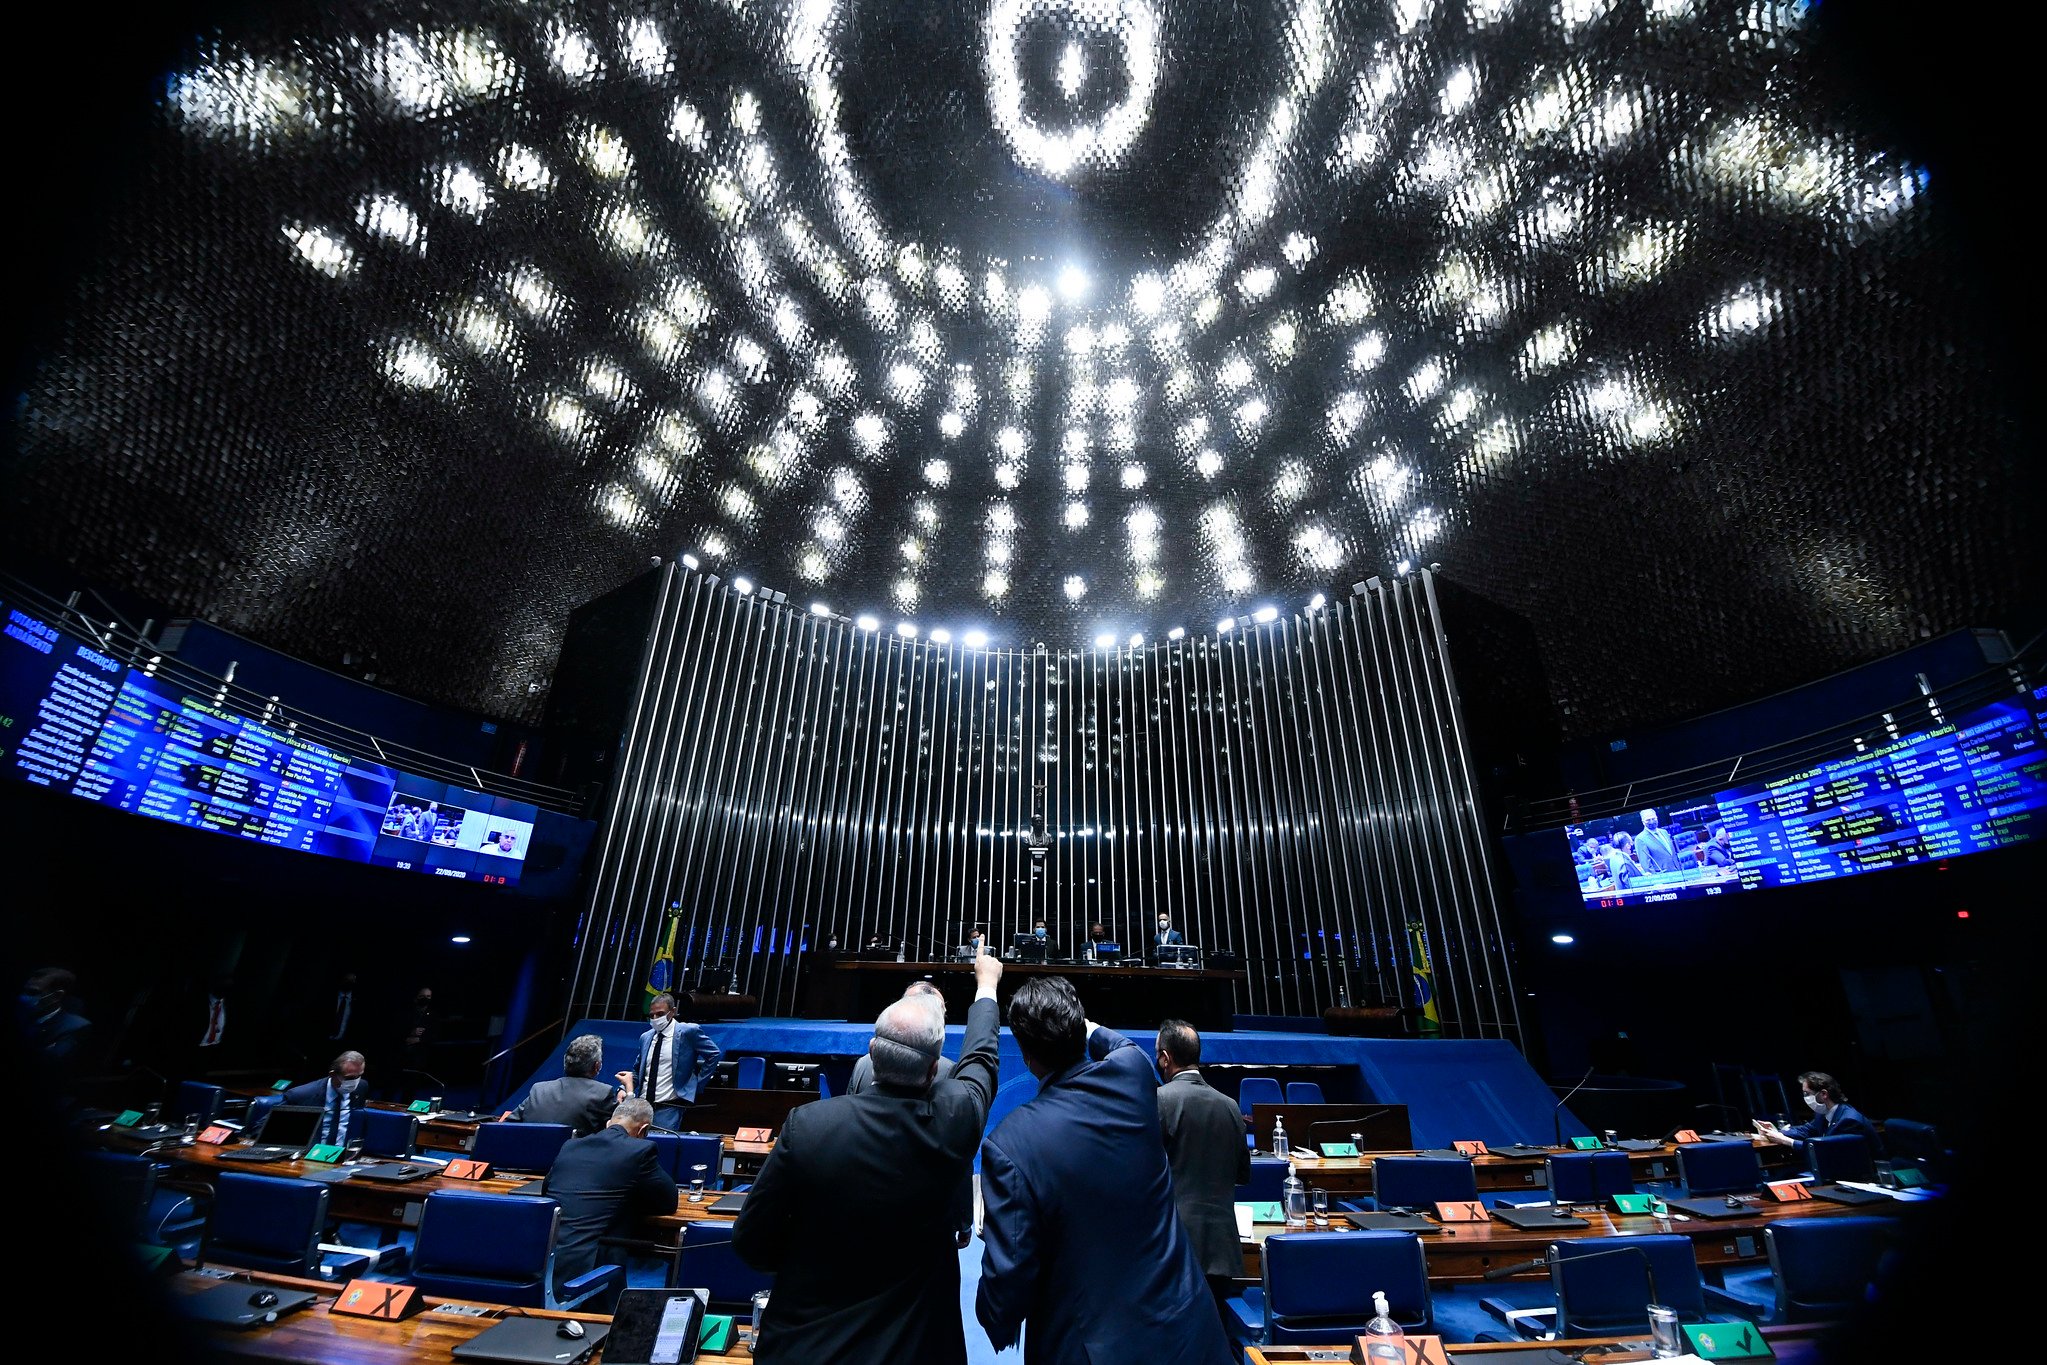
(75, 720)
(1978, 782)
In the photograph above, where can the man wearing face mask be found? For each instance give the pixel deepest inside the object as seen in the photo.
(1163, 937)
(675, 1058)
(339, 1095)
(1832, 1116)
(1047, 949)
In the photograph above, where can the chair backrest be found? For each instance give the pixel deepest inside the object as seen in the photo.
(1607, 1295)
(388, 1132)
(495, 1247)
(1719, 1167)
(1821, 1268)
(1421, 1181)
(1584, 1177)
(707, 1261)
(192, 1102)
(125, 1184)
(1257, 1090)
(1303, 1092)
(520, 1146)
(265, 1222)
(1911, 1140)
(752, 1072)
(1267, 1182)
(1327, 1278)
(680, 1154)
(1845, 1156)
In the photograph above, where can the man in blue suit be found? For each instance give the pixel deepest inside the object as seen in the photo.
(1082, 1240)
(339, 1095)
(1832, 1116)
(675, 1058)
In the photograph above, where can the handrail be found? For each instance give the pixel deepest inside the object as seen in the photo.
(137, 651)
(2010, 678)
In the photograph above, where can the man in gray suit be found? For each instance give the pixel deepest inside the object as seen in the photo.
(1204, 1136)
(863, 1081)
(1654, 849)
(578, 1099)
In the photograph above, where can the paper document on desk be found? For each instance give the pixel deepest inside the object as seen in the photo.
(1244, 1222)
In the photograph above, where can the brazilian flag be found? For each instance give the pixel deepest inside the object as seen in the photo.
(661, 976)
(1424, 980)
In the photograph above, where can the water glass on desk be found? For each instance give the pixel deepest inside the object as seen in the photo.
(696, 1183)
(1320, 1199)
(1664, 1339)
(760, 1312)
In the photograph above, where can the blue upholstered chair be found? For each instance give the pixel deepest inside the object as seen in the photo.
(1267, 1183)
(706, 1260)
(1719, 1168)
(752, 1073)
(520, 1146)
(1846, 1156)
(1422, 1182)
(1588, 1177)
(142, 1206)
(680, 1154)
(273, 1224)
(388, 1132)
(1257, 1090)
(1601, 1296)
(1303, 1092)
(192, 1102)
(499, 1248)
(1821, 1268)
(1317, 1286)
(1909, 1140)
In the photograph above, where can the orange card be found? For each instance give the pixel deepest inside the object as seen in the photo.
(755, 1135)
(1470, 1148)
(1686, 1135)
(1407, 1350)
(376, 1299)
(1787, 1191)
(462, 1168)
(1461, 1211)
(216, 1135)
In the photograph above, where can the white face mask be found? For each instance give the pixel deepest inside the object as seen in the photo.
(349, 1087)
(661, 1023)
(1812, 1102)
(1163, 926)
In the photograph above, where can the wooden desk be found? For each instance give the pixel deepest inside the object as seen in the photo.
(858, 991)
(316, 1336)
(1464, 1252)
(1793, 1343)
(1502, 1174)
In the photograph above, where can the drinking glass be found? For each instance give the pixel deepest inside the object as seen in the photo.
(760, 1311)
(1320, 1199)
(696, 1183)
(1664, 1339)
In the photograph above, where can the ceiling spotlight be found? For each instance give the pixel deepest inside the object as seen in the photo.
(977, 639)
(459, 938)
(1073, 284)
(1226, 625)
(820, 609)
(1177, 633)
(1136, 640)
(1265, 614)
(906, 630)
(689, 561)
(1403, 567)
(1564, 940)
(941, 637)
(742, 586)
(867, 623)
(1105, 641)
(1315, 602)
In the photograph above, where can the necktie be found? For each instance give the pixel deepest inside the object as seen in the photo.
(654, 1071)
(212, 1025)
(333, 1130)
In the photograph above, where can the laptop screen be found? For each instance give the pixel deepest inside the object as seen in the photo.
(655, 1327)
(290, 1125)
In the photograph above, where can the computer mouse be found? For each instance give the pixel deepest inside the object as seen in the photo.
(1732, 1202)
(407, 1170)
(571, 1329)
(263, 1298)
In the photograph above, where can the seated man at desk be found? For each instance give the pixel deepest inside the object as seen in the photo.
(339, 1094)
(577, 1097)
(1832, 1116)
(605, 1183)
(1042, 948)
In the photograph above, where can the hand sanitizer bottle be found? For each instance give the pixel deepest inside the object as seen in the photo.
(1281, 1148)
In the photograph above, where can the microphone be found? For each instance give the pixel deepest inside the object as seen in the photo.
(1557, 1114)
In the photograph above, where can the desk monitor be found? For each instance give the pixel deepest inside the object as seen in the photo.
(1029, 947)
(1107, 951)
(1382, 1127)
(1178, 954)
(289, 1125)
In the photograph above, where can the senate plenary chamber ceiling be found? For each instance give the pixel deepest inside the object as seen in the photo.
(1479, 556)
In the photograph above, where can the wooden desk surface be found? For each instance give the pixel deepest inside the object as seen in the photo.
(316, 1336)
(1792, 1342)
(1353, 1175)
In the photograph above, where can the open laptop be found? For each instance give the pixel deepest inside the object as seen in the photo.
(656, 1327)
(283, 1135)
(532, 1341)
(238, 1303)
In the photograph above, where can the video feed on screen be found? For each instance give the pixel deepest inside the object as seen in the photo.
(429, 822)
(494, 835)
(1655, 852)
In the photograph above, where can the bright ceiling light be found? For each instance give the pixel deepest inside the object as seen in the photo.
(1177, 633)
(1265, 614)
(1073, 284)
(742, 586)
(977, 639)
(1136, 640)
(820, 609)
(689, 561)
(867, 623)
(906, 630)
(1226, 625)
(940, 637)
(1105, 641)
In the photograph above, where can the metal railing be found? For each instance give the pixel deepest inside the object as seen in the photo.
(1930, 708)
(132, 647)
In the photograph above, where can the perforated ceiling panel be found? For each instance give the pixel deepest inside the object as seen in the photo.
(1053, 319)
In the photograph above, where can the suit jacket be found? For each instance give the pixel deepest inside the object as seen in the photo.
(314, 1093)
(696, 1060)
(1846, 1120)
(853, 1212)
(963, 1201)
(1171, 936)
(1081, 1236)
(1204, 1134)
(582, 1102)
(603, 1183)
(1656, 850)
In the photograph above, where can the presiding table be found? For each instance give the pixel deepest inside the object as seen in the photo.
(857, 991)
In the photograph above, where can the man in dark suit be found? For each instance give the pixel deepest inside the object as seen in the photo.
(1080, 1235)
(1204, 1136)
(882, 1168)
(1832, 1116)
(675, 1058)
(578, 1098)
(339, 1095)
(604, 1183)
(1166, 935)
(863, 1081)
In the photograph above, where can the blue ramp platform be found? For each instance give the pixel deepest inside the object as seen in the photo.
(1454, 1089)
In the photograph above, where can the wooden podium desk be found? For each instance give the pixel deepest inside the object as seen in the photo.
(1350, 1176)
(1794, 1344)
(314, 1335)
(1462, 1253)
(859, 990)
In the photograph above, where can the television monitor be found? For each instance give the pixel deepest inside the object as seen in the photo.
(1977, 782)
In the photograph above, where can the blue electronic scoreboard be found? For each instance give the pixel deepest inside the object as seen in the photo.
(74, 720)
(1979, 782)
